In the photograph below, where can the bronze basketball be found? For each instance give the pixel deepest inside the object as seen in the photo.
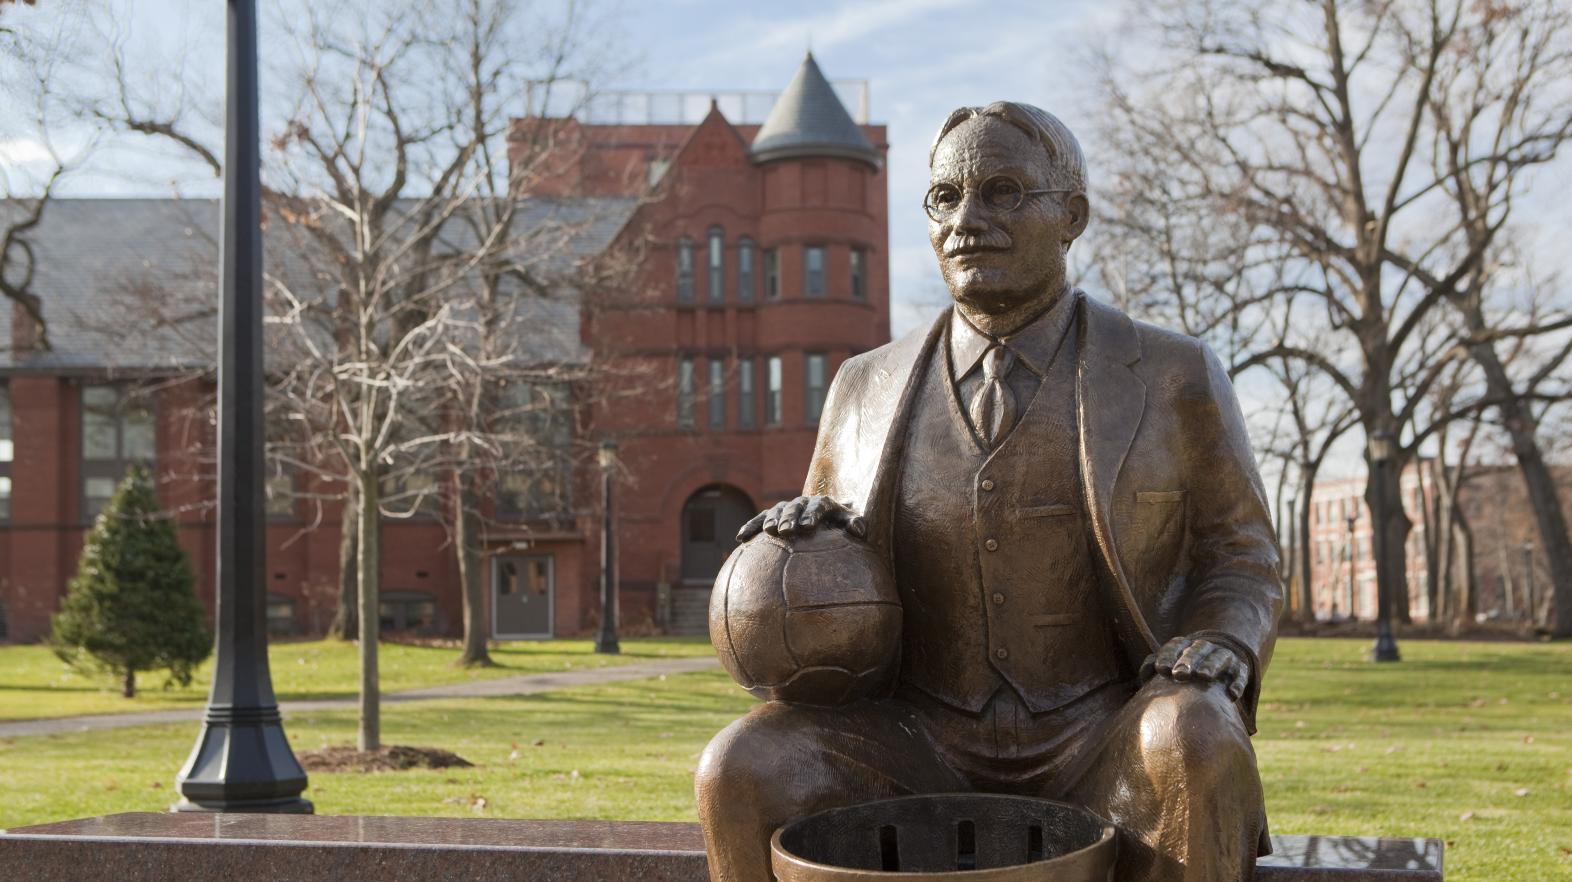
(812, 619)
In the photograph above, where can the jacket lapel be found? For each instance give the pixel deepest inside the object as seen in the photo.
(1110, 400)
(904, 372)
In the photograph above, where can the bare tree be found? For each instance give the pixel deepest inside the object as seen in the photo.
(29, 176)
(1304, 131)
(388, 153)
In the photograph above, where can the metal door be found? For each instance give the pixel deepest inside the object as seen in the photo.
(521, 596)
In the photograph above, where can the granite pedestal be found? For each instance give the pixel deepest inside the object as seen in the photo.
(312, 848)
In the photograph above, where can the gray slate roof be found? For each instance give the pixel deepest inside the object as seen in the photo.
(809, 120)
(130, 284)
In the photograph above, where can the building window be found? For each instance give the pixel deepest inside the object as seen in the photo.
(407, 611)
(813, 386)
(117, 432)
(717, 394)
(685, 393)
(684, 271)
(772, 274)
(772, 392)
(745, 271)
(281, 496)
(280, 615)
(717, 265)
(859, 262)
(813, 270)
(745, 394)
(7, 452)
(537, 485)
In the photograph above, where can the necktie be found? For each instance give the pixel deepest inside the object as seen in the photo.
(993, 404)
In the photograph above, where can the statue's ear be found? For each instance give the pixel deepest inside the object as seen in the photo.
(1080, 209)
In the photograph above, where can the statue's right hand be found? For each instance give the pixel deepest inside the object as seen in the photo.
(803, 515)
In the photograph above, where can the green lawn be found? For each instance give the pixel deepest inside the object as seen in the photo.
(1439, 745)
(34, 683)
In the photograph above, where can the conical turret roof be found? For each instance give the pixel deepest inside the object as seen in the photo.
(809, 120)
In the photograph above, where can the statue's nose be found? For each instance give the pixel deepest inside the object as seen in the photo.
(970, 216)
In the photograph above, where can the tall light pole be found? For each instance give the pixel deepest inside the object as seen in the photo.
(241, 761)
(1349, 547)
(1385, 649)
(606, 640)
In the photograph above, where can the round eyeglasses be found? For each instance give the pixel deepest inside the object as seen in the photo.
(998, 194)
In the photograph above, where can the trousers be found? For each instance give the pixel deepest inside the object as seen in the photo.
(1169, 763)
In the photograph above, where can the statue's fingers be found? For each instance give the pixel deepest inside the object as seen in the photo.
(1194, 656)
(786, 521)
(812, 512)
(772, 519)
(1239, 676)
(751, 528)
(1216, 664)
(1169, 654)
(857, 527)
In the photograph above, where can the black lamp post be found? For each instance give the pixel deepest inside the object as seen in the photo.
(606, 640)
(1352, 561)
(241, 761)
(1385, 649)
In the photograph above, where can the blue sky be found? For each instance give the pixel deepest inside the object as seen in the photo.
(921, 58)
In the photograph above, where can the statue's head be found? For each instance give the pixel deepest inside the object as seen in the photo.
(1006, 197)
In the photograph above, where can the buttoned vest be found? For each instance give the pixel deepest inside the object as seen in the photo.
(991, 552)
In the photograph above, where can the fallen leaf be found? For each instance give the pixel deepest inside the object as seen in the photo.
(1421, 785)
(157, 785)
(1528, 739)
(1466, 816)
(1521, 791)
(574, 774)
(539, 742)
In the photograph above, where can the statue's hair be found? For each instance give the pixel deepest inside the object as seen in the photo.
(1065, 160)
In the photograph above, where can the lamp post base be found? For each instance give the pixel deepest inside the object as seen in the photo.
(1385, 649)
(242, 763)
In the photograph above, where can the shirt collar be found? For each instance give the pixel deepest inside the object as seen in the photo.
(1035, 344)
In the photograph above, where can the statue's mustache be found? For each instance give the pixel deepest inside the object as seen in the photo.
(993, 240)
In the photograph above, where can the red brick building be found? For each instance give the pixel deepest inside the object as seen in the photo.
(764, 266)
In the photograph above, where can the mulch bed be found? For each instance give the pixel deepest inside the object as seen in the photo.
(393, 758)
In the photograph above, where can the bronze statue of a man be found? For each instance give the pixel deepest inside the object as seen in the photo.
(1086, 565)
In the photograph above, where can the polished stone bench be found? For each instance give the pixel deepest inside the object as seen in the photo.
(314, 848)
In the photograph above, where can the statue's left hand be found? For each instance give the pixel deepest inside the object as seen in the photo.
(1201, 660)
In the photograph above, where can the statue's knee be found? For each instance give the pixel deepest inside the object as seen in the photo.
(744, 763)
(1197, 724)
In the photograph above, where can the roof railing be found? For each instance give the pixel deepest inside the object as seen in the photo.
(575, 98)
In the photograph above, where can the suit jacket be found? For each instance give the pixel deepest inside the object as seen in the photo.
(1177, 513)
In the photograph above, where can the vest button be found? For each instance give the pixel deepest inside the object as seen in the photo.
(991, 545)
(1001, 653)
(987, 484)
(997, 597)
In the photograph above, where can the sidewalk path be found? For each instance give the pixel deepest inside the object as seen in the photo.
(526, 684)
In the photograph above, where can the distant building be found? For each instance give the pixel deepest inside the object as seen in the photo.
(1509, 565)
(764, 266)
(1342, 552)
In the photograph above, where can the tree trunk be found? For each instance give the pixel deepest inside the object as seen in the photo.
(1468, 596)
(1549, 517)
(128, 686)
(346, 620)
(1429, 515)
(1390, 552)
(464, 544)
(1306, 594)
(369, 523)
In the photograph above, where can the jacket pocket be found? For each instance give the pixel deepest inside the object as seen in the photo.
(1058, 509)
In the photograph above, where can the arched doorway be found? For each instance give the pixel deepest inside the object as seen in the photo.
(710, 520)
